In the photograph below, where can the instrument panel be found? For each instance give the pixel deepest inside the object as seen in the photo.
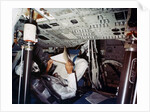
(70, 27)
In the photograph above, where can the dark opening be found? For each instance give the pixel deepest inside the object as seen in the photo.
(117, 33)
(54, 24)
(42, 37)
(133, 18)
(74, 21)
(115, 29)
(44, 26)
(98, 17)
(122, 29)
(22, 20)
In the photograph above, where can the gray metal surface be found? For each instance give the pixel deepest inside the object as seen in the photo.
(73, 26)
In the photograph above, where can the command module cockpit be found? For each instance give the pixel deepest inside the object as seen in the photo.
(74, 56)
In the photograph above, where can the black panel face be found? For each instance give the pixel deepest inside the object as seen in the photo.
(117, 50)
(119, 16)
(113, 49)
(133, 18)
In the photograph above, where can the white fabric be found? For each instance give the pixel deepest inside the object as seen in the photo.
(60, 69)
(80, 67)
(70, 90)
(19, 68)
(59, 58)
(35, 67)
(63, 57)
(67, 91)
(71, 78)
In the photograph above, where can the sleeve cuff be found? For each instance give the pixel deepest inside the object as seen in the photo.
(71, 73)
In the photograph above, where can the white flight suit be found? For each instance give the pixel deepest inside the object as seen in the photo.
(70, 90)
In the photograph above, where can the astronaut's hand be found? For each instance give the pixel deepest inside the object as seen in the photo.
(69, 67)
(49, 65)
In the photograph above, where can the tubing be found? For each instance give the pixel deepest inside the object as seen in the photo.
(27, 72)
(28, 60)
(128, 77)
(19, 89)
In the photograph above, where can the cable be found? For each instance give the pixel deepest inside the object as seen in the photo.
(95, 88)
(90, 65)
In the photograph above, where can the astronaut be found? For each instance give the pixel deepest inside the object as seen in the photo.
(64, 77)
